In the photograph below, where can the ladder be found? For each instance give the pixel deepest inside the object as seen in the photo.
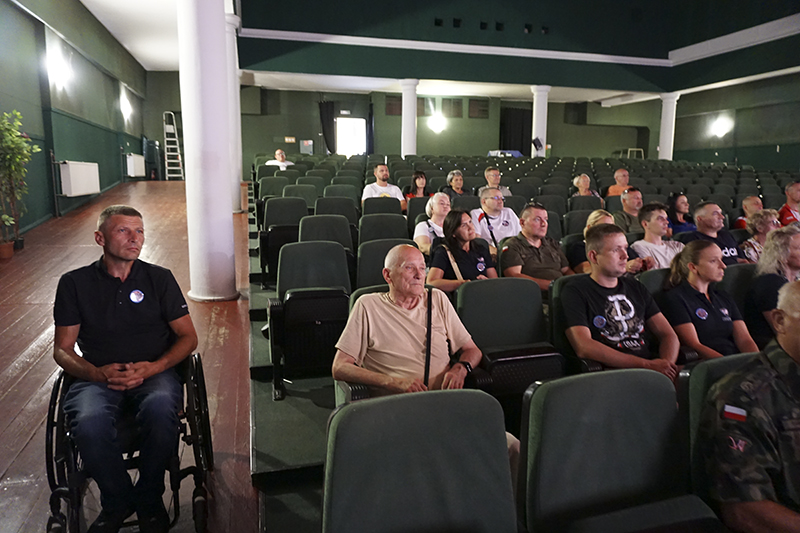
(172, 147)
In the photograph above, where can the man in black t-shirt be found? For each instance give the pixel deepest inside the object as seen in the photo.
(710, 221)
(609, 314)
(132, 325)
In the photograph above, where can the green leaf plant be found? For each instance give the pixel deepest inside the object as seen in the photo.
(16, 150)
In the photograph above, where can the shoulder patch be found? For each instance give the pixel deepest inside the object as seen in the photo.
(734, 413)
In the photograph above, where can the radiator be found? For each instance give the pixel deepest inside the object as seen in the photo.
(79, 178)
(134, 165)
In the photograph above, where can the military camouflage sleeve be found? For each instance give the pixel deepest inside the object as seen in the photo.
(741, 458)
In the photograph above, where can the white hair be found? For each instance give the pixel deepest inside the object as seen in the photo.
(432, 200)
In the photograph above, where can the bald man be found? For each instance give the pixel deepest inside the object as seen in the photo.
(750, 205)
(621, 177)
(749, 431)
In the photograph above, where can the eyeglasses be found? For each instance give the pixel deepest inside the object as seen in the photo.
(774, 222)
(498, 198)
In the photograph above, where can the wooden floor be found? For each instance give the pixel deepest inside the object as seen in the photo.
(27, 290)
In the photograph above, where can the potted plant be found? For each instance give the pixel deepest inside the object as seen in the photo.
(16, 150)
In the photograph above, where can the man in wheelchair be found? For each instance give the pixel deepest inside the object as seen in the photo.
(132, 326)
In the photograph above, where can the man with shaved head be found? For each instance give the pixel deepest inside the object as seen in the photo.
(711, 227)
(383, 344)
(749, 431)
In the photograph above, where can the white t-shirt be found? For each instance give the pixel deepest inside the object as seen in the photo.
(506, 224)
(663, 254)
(373, 190)
(278, 163)
(431, 231)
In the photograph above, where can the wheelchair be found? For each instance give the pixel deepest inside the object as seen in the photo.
(68, 481)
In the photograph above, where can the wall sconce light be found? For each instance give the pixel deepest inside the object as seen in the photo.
(125, 105)
(437, 123)
(721, 126)
(58, 68)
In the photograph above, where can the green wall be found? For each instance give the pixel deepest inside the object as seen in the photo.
(585, 140)
(765, 116)
(163, 94)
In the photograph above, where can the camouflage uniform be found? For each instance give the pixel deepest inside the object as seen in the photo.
(750, 432)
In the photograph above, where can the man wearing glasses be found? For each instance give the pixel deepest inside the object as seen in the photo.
(280, 160)
(492, 175)
(493, 221)
(532, 254)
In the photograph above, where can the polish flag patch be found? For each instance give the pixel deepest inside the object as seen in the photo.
(734, 413)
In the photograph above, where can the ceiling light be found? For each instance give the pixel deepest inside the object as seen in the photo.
(437, 123)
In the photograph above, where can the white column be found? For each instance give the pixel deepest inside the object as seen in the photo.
(408, 139)
(666, 137)
(539, 117)
(206, 128)
(235, 110)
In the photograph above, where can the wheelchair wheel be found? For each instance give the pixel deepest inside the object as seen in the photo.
(197, 414)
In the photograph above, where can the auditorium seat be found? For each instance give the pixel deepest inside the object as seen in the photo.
(415, 206)
(603, 452)
(382, 226)
(554, 203)
(318, 182)
(591, 203)
(305, 191)
(442, 459)
(467, 203)
(343, 191)
(292, 175)
(575, 221)
(281, 226)
(515, 203)
(370, 260)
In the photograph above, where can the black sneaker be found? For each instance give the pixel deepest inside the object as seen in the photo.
(153, 518)
(109, 521)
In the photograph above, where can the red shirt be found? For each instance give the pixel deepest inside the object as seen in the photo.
(787, 215)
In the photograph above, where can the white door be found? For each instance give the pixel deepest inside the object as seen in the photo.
(351, 136)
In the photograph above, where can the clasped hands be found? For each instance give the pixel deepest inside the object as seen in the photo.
(126, 376)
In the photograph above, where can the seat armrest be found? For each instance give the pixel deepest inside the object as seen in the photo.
(478, 379)
(350, 392)
(524, 351)
(686, 355)
(274, 324)
(313, 292)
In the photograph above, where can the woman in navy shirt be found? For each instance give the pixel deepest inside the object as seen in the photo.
(680, 220)
(705, 319)
(470, 255)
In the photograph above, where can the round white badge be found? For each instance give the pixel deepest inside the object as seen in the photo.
(137, 296)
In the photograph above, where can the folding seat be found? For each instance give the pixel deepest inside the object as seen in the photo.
(316, 181)
(337, 205)
(566, 181)
(708, 182)
(740, 234)
(506, 320)
(613, 204)
(327, 166)
(289, 173)
(436, 183)
(748, 188)
(558, 326)
(726, 189)
(381, 205)
(350, 173)
(264, 171)
(526, 188)
(435, 173)
(736, 282)
(682, 182)
(268, 187)
(771, 189)
(636, 181)
(420, 444)
(554, 230)
(556, 190)
(737, 202)
(700, 190)
(767, 181)
(310, 311)
(666, 190)
(301, 168)
(345, 191)
(648, 189)
(309, 163)
(305, 191)
(333, 228)
(773, 201)
(354, 181)
(370, 260)
(727, 181)
(353, 166)
(648, 198)
(415, 207)
(381, 226)
(724, 201)
(404, 181)
(515, 203)
(322, 173)
(553, 202)
(603, 452)
(575, 221)
(468, 203)
(473, 183)
(281, 226)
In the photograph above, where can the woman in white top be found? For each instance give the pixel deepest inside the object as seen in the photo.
(437, 208)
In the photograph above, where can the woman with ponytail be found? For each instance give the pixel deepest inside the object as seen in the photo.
(705, 319)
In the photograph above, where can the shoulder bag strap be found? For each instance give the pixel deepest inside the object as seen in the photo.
(453, 264)
(489, 227)
(428, 338)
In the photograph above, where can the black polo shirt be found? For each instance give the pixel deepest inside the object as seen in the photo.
(712, 317)
(471, 264)
(120, 322)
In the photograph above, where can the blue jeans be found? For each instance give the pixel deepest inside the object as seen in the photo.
(93, 409)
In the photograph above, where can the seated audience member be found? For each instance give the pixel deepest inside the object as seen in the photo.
(759, 224)
(392, 359)
(710, 222)
(628, 218)
(706, 319)
(609, 315)
(437, 208)
(418, 187)
(576, 252)
(460, 258)
(532, 254)
(492, 175)
(750, 206)
(493, 221)
(789, 212)
(779, 264)
(584, 185)
(653, 218)
(680, 221)
(455, 185)
(382, 188)
(280, 160)
(621, 178)
(748, 432)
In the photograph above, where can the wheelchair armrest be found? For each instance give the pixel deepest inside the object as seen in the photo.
(350, 392)
(686, 355)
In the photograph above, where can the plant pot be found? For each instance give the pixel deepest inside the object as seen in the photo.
(19, 244)
(6, 250)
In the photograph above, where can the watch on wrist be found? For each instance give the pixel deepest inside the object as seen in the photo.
(465, 364)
